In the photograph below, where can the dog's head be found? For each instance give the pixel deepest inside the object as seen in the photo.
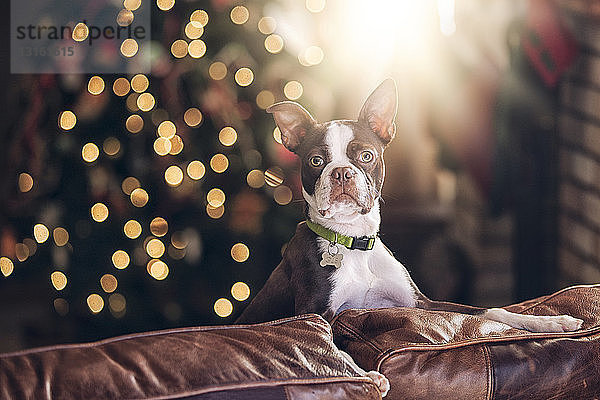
(342, 160)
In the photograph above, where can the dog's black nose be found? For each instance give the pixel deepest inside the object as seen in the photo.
(342, 174)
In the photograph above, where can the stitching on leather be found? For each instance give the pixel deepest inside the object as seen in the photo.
(567, 289)
(358, 335)
(287, 393)
(491, 379)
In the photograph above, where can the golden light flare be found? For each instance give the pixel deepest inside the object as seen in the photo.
(157, 269)
(59, 280)
(244, 76)
(179, 48)
(40, 233)
(239, 15)
(267, 25)
(179, 240)
(90, 152)
(264, 99)
(60, 236)
(240, 291)
(215, 197)
(255, 179)
(215, 212)
(31, 245)
(21, 251)
(132, 4)
(67, 120)
(195, 170)
(134, 123)
(315, 6)
(223, 307)
(313, 55)
(176, 145)
(129, 47)
(162, 146)
(274, 176)
(240, 252)
(6, 266)
(108, 283)
(165, 5)
(199, 16)
(155, 248)
(80, 32)
(217, 70)
(293, 90)
(282, 195)
(277, 135)
(120, 259)
(173, 175)
(132, 229)
(159, 227)
(167, 129)
(117, 303)
(219, 163)
(131, 102)
(61, 306)
(192, 117)
(139, 83)
(274, 43)
(228, 136)
(121, 87)
(99, 212)
(95, 85)
(194, 30)
(125, 17)
(145, 102)
(129, 184)
(111, 146)
(196, 48)
(25, 182)
(139, 197)
(95, 303)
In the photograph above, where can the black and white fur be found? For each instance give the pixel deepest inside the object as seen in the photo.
(342, 194)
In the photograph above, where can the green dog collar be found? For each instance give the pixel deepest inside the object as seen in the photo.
(359, 243)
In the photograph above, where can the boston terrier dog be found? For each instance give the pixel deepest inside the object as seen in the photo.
(336, 260)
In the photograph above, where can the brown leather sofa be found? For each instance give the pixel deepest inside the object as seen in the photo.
(424, 354)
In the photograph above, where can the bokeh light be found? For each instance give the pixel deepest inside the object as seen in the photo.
(228, 136)
(193, 30)
(121, 87)
(59, 280)
(132, 4)
(264, 99)
(25, 182)
(6, 266)
(95, 303)
(255, 179)
(215, 197)
(173, 175)
(217, 70)
(215, 212)
(274, 43)
(199, 16)
(117, 303)
(223, 307)
(129, 47)
(67, 120)
(166, 129)
(159, 226)
(139, 197)
(155, 248)
(61, 306)
(162, 146)
(60, 236)
(132, 229)
(277, 135)
(293, 90)
(315, 6)
(139, 83)
(80, 32)
(125, 17)
(244, 76)
(267, 25)
(90, 152)
(274, 176)
(108, 283)
(145, 102)
(195, 170)
(120, 259)
(196, 48)
(179, 48)
(40, 233)
(240, 252)
(134, 123)
(282, 195)
(129, 184)
(176, 145)
(99, 212)
(239, 15)
(96, 85)
(219, 163)
(158, 269)
(165, 5)
(192, 117)
(240, 291)
(111, 146)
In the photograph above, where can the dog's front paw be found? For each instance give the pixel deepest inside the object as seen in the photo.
(381, 381)
(559, 323)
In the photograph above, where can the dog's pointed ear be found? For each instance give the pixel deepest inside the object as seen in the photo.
(379, 111)
(293, 122)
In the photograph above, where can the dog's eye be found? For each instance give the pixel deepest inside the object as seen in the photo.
(366, 156)
(316, 161)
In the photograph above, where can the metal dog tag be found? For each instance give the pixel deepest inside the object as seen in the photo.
(331, 257)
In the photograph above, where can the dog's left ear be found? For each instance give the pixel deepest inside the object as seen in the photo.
(379, 111)
(293, 122)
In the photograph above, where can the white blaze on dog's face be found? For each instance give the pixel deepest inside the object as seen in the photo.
(342, 161)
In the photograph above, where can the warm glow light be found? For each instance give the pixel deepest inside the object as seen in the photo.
(197, 48)
(293, 90)
(139, 197)
(223, 308)
(155, 248)
(162, 146)
(120, 259)
(99, 212)
(21, 251)
(95, 303)
(179, 240)
(176, 145)
(131, 102)
(267, 25)
(132, 229)
(215, 197)
(95, 85)
(192, 117)
(90, 152)
(121, 87)
(240, 252)
(196, 170)
(132, 4)
(282, 195)
(447, 14)
(59, 280)
(313, 55)
(6, 266)
(179, 48)
(227, 136)
(129, 184)
(173, 175)
(111, 146)
(274, 43)
(219, 163)
(31, 245)
(193, 30)
(158, 269)
(109, 283)
(125, 17)
(199, 16)
(244, 76)
(67, 120)
(240, 291)
(264, 99)
(165, 4)
(40, 233)
(61, 306)
(80, 32)
(315, 6)
(129, 47)
(139, 83)
(255, 178)
(60, 236)
(277, 135)
(215, 212)
(25, 182)
(134, 123)
(145, 102)
(159, 226)
(274, 176)
(239, 15)
(167, 129)
(217, 70)
(117, 303)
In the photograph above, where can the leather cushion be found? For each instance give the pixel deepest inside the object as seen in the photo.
(292, 358)
(444, 355)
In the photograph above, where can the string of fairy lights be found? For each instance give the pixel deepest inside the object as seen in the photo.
(160, 245)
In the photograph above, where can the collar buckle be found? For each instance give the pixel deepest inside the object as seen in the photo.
(362, 243)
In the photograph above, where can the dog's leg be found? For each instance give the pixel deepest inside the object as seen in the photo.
(378, 378)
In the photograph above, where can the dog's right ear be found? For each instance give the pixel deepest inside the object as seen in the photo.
(293, 122)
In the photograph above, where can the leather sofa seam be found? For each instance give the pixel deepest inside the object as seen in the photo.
(357, 335)
(562, 291)
(491, 379)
